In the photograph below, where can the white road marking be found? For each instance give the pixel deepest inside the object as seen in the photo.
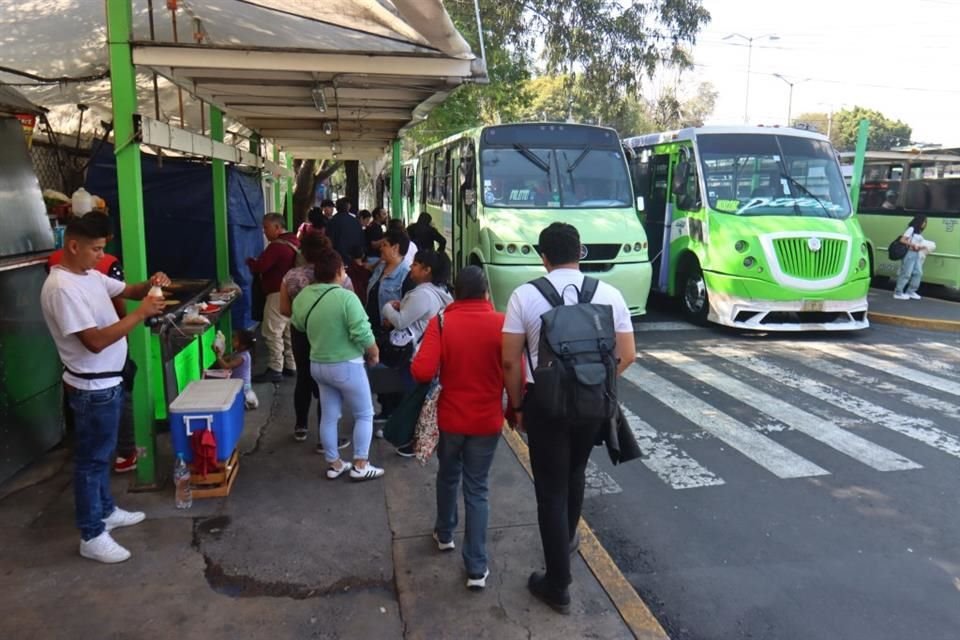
(893, 368)
(664, 326)
(919, 429)
(765, 452)
(858, 448)
(598, 482)
(668, 461)
(915, 358)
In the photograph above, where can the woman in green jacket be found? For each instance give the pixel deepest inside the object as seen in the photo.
(340, 342)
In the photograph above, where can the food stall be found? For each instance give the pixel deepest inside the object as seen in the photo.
(31, 419)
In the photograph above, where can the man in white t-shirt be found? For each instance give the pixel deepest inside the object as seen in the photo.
(77, 305)
(558, 452)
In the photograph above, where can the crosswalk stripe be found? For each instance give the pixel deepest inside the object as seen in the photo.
(858, 448)
(598, 482)
(909, 396)
(765, 452)
(939, 349)
(665, 459)
(919, 429)
(893, 368)
(937, 367)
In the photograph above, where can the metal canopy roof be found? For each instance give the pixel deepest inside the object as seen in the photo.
(317, 77)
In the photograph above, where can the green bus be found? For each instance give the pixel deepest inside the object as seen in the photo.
(896, 186)
(491, 190)
(751, 227)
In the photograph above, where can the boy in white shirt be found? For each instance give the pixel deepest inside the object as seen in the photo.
(77, 307)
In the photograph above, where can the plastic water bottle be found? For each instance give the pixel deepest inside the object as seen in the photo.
(181, 480)
(81, 202)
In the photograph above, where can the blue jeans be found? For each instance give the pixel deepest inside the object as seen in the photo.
(96, 416)
(471, 457)
(910, 272)
(339, 383)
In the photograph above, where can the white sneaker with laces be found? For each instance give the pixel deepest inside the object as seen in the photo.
(914, 296)
(121, 518)
(444, 546)
(475, 583)
(104, 549)
(901, 296)
(368, 472)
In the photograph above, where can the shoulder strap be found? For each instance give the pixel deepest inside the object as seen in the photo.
(314, 306)
(295, 248)
(588, 289)
(548, 291)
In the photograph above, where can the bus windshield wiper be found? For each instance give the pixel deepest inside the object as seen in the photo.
(572, 167)
(532, 158)
(800, 185)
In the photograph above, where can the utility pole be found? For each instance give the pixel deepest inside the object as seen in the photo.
(749, 40)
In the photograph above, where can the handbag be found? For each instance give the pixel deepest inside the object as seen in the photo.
(897, 250)
(427, 433)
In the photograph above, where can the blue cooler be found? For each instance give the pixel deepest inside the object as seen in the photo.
(208, 404)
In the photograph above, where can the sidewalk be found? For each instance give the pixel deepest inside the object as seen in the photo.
(929, 313)
(288, 554)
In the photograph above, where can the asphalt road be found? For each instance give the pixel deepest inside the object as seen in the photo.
(796, 487)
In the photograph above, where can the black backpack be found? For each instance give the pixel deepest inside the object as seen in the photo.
(897, 250)
(576, 376)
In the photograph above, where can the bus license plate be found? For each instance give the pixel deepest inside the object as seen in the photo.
(811, 305)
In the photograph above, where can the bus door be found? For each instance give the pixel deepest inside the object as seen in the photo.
(465, 209)
(655, 207)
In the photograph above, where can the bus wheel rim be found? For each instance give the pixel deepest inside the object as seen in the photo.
(694, 294)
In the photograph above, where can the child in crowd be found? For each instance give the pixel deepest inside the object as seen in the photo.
(239, 363)
(358, 273)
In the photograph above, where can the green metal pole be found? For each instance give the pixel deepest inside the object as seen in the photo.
(396, 176)
(863, 133)
(276, 186)
(220, 233)
(123, 84)
(290, 221)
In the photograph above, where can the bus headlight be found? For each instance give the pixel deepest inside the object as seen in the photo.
(862, 264)
(749, 261)
(525, 249)
(741, 246)
(626, 248)
(863, 248)
(511, 248)
(639, 246)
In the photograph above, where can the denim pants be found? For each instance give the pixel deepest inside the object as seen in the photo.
(911, 270)
(96, 416)
(344, 383)
(470, 457)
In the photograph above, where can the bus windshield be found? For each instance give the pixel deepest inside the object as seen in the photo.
(765, 175)
(532, 177)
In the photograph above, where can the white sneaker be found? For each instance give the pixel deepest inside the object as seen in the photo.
(121, 518)
(914, 296)
(104, 549)
(444, 546)
(901, 296)
(478, 582)
(378, 433)
(369, 472)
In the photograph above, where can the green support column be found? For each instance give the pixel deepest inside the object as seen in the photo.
(863, 132)
(276, 186)
(396, 177)
(129, 180)
(220, 234)
(290, 221)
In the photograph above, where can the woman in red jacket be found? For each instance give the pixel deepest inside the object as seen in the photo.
(466, 352)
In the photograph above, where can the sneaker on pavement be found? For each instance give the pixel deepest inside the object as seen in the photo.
(288, 372)
(914, 296)
(342, 443)
(476, 582)
(378, 433)
(104, 549)
(406, 451)
(369, 472)
(299, 433)
(443, 546)
(122, 518)
(123, 465)
(268, 376)
(900, 296)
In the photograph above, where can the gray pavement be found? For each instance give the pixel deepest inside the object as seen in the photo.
(288, 554)
(934, 311)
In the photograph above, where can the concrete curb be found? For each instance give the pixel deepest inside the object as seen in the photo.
(634, 611)
(914, 322)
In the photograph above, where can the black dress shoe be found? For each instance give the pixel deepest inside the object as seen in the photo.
(289, 373)
(559, 601)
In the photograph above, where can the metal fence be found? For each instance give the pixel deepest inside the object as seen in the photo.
(62, 171)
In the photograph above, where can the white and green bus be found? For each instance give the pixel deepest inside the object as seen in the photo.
(751, 227)
(491, 190)
(896, 186)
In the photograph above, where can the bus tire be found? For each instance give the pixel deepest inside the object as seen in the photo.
(694, 298)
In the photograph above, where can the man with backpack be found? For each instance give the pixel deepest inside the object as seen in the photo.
(577, 337)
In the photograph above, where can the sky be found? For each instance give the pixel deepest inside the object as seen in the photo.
(900, 58)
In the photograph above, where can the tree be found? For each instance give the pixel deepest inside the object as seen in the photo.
(565, 97)
(842, 127)
(669, 111)
(308, 175)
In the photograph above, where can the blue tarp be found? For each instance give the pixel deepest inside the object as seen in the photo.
(178, 213)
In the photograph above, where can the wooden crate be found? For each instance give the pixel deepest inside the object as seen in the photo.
(217, 483)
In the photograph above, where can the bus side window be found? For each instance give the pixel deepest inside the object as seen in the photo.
(689, 200)
(640, 174)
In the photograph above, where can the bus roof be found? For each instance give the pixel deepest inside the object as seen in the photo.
(477, 131)
(929, 156)
(691, 133)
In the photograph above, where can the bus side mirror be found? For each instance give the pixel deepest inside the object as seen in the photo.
(680, 175)
(640, 204)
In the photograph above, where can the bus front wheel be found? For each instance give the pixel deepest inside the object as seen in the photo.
(693, 292)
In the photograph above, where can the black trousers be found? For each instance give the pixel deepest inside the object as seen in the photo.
(306, 389)
(558, 456)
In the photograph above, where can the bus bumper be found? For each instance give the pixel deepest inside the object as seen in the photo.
(752, 304)
(631, 279)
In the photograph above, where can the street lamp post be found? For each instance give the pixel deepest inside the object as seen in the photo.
(790, 99)
(750, 39)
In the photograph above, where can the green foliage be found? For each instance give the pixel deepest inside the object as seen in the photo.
(884, 132)
(565, 97)
(669, 111)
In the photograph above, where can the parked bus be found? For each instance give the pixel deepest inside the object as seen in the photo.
(899, 185)
(491, 190)
(751, 227)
